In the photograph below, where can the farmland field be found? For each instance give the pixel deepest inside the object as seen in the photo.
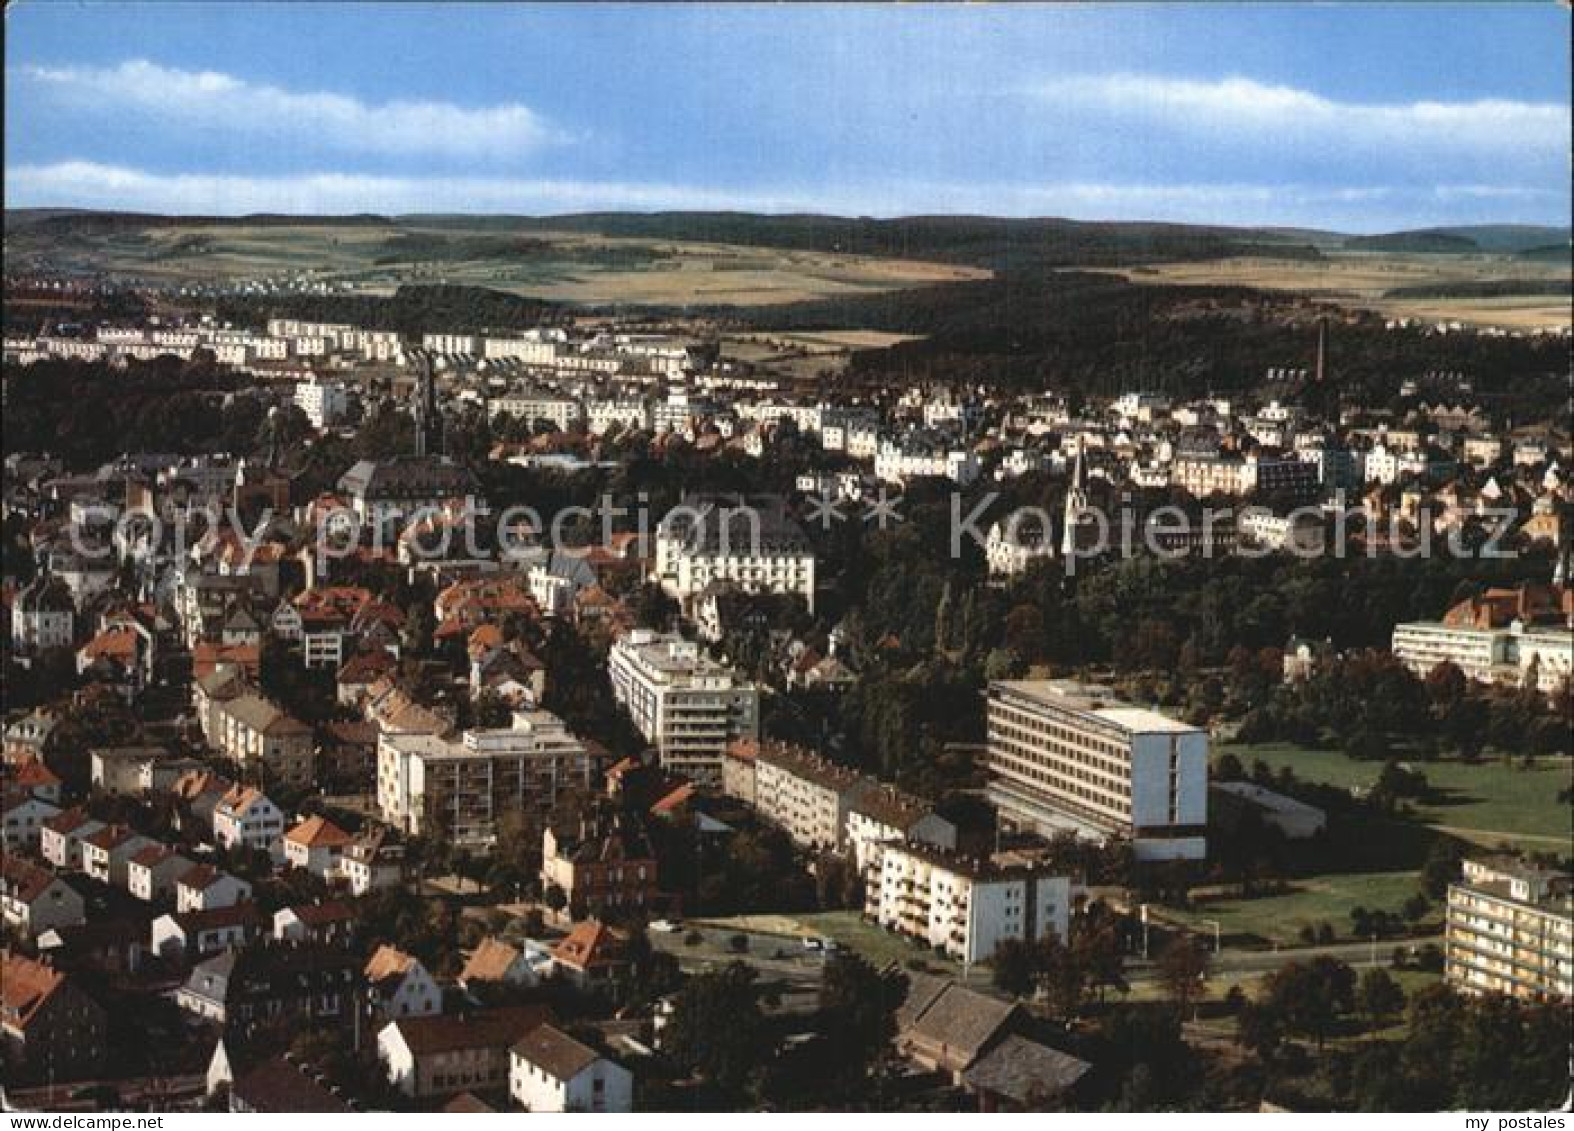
(1369, 280)
(375, 258)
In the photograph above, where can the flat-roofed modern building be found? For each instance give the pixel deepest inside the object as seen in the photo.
(684, 703)
(1511, 930)
(966, 907)
(1067, 756)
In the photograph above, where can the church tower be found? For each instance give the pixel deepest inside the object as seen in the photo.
(1076, 504)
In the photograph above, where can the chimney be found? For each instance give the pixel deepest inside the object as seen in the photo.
(1322, 348)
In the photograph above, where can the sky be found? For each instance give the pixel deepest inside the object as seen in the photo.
(1358, 117)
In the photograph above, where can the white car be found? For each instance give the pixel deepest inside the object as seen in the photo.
(665, 927)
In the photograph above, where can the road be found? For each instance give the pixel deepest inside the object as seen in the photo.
(778, 960)
(1235, 961)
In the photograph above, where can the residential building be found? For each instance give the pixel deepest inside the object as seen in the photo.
(1064, 755)
(593, 957)
(751, 542)
(316, 845)
(205, 888)
(374, 861)
(33, 899)
(1518, 637)
(604, 863)
(439, 1056)
(330, 922)
(151, 874)
(323, 402)
(50, 1029)
(255, 733)
(884, 815)
(1510, 930)
(60, 838)
(808, 796)
(466, 786)
(107, 854)
(23, 816)
(963, 906)
(185, 936)
(400, 986)
(550, 1071)
(684, 703)
(43, 615)
(263, 983)
(247, 817)
(494, 963)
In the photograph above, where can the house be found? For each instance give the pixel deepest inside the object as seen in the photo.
(496, 963)
(592, 956)
(1019, 1074)
(23, 820)
(280, 1085)
(112, 946)
(550, 1071)
(245, 817)
(129, 770)
(188, 935)
(50, 1029)
(205, 888)
(372, 862)
(35, 779)
(60, 838)
(152, 872)
(316, 845)
(400, 986)
(438, 1056)
(331, 922)
(33, 899)
(605, 863)
(106, 855)
(199, 793)
(241, 989)
(945, 1027)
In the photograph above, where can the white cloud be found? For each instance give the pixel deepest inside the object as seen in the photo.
(87, 184)
(1280, 114)
(313, 118)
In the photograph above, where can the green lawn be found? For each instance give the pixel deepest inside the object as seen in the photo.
(1314, 901)
(879, 946)
(1488, 802)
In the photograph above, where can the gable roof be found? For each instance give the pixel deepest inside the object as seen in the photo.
(491, 1028)
(23, 880)
(318, 832)
(490, 961)
(1025, 1071)
(388, 965)
(590, 944)
(281, 1085)
(556, 1053)
(941, 1011)
(25, 987)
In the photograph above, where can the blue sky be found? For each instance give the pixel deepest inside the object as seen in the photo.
(1359, 117)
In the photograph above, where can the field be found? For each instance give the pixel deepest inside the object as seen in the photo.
(1312, 902)
(1366, 279)
(1489, 802)
(376, 257)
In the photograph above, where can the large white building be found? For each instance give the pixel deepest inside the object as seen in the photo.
(684, 703)
(1519, 637)
(1511, 931)
(464, 787)
(323, 402)
(966, 907)
(1064, 755)
(750, 542)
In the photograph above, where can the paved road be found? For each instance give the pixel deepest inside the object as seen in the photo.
(1235, 961)
(777, 959)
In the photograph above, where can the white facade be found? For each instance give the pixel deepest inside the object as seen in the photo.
(684, 703)
(323, 402)
(1065, 756)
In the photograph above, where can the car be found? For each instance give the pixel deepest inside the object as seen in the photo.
(812, 944)
(666, 926)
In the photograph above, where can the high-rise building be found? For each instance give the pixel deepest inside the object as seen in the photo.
(1067, 756)
(1511, 930)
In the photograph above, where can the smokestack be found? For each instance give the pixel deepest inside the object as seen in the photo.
(1322, 348)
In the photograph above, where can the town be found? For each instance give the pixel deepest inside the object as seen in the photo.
(691, 559)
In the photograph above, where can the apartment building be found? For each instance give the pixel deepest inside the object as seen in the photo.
(533, 405)
(604, 863)
(751, 542)
(884, 815)
(684, 703)
(252, 731)
(962, 906)
(1064, 755)
(465, 786)
(1510, 930)
(806, 795)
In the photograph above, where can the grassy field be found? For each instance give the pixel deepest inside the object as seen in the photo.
(878, 946)
(1489, 802)
(1311, 902)
(1364, 278)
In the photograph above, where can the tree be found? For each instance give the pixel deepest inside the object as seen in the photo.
(717, 1028)
(1015, 967)
(555, 898)
(1379, 995)
(1309, 997)
(1183, 965)
(857, 1010)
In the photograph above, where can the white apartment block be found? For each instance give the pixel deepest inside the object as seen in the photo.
(809, 797)
(531, 349)
(451, 343)
(1510, 930)
(685, 704)
(561, 411)
(1514, 655)
(750, 542)
(601, 416)
(465, 787)
(963, 907)
(897, 463)
(1064, 755)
